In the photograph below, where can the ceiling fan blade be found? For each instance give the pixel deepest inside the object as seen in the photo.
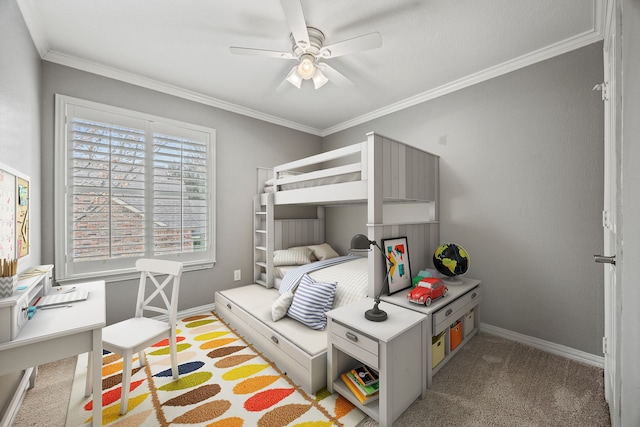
(295, 20)
(261, 52)
(356, 44)
(334, 75)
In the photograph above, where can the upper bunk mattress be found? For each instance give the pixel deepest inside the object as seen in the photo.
(349, 177)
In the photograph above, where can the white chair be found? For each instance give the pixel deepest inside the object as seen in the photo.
(136, 334)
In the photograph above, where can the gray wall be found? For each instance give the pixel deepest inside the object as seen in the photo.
(521, 175)
(242, 145)
(521, 179)
(20, 130)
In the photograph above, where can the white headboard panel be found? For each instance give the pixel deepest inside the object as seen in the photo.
(298, 232)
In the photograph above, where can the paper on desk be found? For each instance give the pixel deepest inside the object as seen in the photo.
(62, 298)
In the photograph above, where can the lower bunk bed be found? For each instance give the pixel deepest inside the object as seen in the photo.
(298, 349)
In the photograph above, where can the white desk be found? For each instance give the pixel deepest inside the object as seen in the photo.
(60, 333)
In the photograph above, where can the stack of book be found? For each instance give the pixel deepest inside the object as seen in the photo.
(363, 383)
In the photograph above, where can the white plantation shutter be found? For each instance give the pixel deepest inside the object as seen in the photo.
(137, 186)
(179, 191)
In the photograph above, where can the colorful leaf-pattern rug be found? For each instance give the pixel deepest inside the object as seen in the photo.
(224, 381)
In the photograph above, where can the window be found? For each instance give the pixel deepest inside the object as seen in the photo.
(128, 186)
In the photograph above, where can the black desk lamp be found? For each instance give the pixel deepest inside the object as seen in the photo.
(359, 243)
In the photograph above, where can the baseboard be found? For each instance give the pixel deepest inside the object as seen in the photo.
(190, 311)
(560, 350)
(196, 310)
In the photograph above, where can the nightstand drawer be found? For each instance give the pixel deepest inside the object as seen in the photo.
(454, 311)
(355, 343)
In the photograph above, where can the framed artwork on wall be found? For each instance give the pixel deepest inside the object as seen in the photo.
(14, 214)
(396, 252)
(22, 217)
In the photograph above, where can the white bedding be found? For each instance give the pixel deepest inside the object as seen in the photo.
(352, 278)
(257, 300)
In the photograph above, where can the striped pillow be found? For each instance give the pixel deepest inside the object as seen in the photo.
(311, 301)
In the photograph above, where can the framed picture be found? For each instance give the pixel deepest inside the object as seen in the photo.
(396, 251)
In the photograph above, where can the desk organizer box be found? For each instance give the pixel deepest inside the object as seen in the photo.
(437, 348)
(8, 285)
(469, 322)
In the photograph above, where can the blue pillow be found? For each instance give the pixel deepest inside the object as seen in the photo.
(311, 301)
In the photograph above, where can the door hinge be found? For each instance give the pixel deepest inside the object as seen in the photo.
(604, 345)
(603, 87)
(605, 218)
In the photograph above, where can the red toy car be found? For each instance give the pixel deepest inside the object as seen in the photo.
(427, 290)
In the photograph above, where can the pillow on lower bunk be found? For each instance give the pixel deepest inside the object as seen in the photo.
(280, 306)
(312, 257)
(311, 301)
(292, 256)
(323, 251)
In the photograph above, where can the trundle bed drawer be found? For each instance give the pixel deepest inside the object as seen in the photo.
(225, 304)
(306, 370)
(273, 337)
(454, 311)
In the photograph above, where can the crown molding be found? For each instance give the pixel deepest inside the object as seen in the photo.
(46, 54)
(135, 79)
(591, 36)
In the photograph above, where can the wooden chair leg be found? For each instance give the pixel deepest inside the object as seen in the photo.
(126, 382)
(141, 360)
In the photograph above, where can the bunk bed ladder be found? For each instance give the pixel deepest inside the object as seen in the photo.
(263, 241)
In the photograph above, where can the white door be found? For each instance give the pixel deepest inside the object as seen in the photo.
(611, 251)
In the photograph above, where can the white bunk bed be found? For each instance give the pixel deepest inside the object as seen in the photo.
(379, 172)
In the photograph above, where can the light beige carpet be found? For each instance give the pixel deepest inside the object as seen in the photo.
(46, 403)
(494, 382)
(490, 382)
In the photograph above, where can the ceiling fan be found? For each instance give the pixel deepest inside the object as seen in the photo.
(307, 47)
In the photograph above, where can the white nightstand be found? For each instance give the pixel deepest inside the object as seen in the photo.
(395, 348)
(462, 304)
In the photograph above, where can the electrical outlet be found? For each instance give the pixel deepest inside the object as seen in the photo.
(237, 275)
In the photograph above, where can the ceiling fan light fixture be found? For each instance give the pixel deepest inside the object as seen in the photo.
(307, 66)
(319, 79)
(294, 78)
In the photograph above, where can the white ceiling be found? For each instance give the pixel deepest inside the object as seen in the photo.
(429, 47)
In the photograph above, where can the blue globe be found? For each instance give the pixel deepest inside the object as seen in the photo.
(451, 260)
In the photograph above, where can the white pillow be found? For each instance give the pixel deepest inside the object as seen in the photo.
(292, 256)
(311, 301)
(323, 251)
(280, 306)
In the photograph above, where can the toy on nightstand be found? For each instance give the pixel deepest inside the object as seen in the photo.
(427, 290)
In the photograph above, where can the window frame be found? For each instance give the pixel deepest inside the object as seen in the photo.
(119, 269)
